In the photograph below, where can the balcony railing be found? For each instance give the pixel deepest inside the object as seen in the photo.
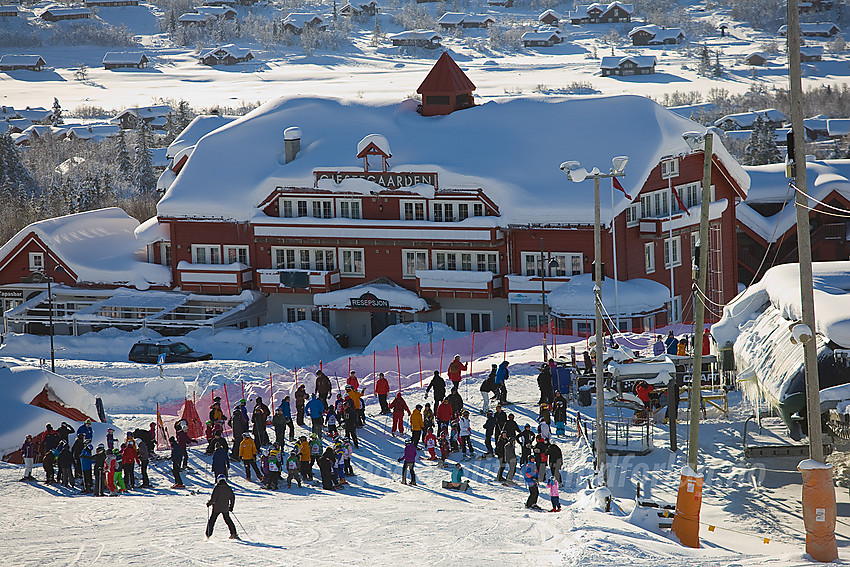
(458, 283)
(209, 277)
(318, 281)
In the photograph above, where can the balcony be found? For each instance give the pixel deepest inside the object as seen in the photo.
(214, 278)
(456, 283)
(317, 281)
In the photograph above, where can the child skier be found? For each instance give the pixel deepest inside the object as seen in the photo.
(292, 473)
(349, 451)
(445, 449)
(552, 483)
(431, 444)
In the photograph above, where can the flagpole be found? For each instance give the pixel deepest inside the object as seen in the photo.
(670, 254)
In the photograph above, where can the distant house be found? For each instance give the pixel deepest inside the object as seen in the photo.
(297, 21)
(503, 3)
(745, 120)
(370, 9)
(628, 65)
(656, 35)
(111, 3)
(838, 127)
(349, 10)
(37, 115)
(220, 12)
(541, 38)
(155, 116)
(814, 30)
(816, 128)
(15, 125)
(416, 38)
(815, 5)
(193, 19)
(17, 62)
(550, 18)
(8, 11)
(453, 20)
(601, 13)
(811, 53)
(226, 55)
(125, 59)
(756, 58)
(93, 132)
(56, 13)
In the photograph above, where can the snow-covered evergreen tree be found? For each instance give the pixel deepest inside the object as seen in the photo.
(143, 160)
(125, 167)
(762, 148)
(13, 173)
(704, 61)
(56, 118)
(717, 70)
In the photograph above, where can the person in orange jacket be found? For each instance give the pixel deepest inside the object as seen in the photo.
(248, 454)
(455, 368)
(399, 406)
(382, 390)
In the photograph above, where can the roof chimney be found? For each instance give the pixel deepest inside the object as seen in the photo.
(291, 143)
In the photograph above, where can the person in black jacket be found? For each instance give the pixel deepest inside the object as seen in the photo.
(439, 387)
(66, 463)
(556, 458)
(221, 500)
(489, 428)
(487, 385)
(526, 441)
(455, 401)
(177, 453)
(323, 387)
(76, 451)
(325, 465)
(544, 383)
(510, 426)
(99, 467)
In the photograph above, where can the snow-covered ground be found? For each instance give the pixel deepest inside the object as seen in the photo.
(377, 520)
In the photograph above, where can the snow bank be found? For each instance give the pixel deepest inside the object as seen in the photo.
(407, 334)
(575, 298)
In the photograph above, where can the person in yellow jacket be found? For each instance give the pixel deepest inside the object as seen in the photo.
(304, 455)
(359, 408)
(417, 423)
(248, 454)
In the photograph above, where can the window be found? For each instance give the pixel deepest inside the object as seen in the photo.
(351, 261)
(478, 321)
(414, 260)
(319, 259)
(165, 253)
(436, 99)
(669, 168)
(671, 247)
(236, 254)
(691, 194)
(206, 254)
(349, 209)
(649, 257)
(674, 310)
(300, 313)
(413, 210)
(319, 208)
(583, 327)
(568, 264)
(443, 212)
(302, 208)
(322, 209)
(36, 261)
(462, 211)
(286, 209)
(466, 261)
(633, 215)
(535, 322)
(295, 314)
(478, 209)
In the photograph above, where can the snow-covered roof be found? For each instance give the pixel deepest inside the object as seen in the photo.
(218, 11)
(9, 10)
(613, 62)
(301, 19)
(378, 140)
(693, 110)
(124, 58)
(552, 13)
(838, 126)
(224, 50)
(58, 10)
(416, 34)
(199, 127)
(235, 168)
(398, 297)
(151, 231)
(541, 36)
(10, 59)
(145, 112)
(94, 131)
(478, 19)
(811, 28)
(120, 258)
(636, 296)
(451, 18)
(582, 9)
(769, 185)
(811, 50)
(746, 119)
(193, 17)
(657, 32)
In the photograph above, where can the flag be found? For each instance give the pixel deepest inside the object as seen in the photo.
(616, 183)
(679, 200)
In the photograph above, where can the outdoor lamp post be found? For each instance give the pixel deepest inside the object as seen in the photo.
(41, 276)
(576, 173)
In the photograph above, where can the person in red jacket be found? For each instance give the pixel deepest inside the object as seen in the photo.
(642, 391)
(455, 368)
(129, 457)
(444, 415)
(352, 381)
(399, 406)
(382, 390)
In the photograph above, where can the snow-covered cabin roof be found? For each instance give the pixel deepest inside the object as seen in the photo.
(451, 18)
(658, 33)
(224, 50)
(95, 132)
(29, 60)
(152, 231)
(235, 168)
(430, 35)
(125, 58)
(217, 11)
(574, 299)
(541, 36)
(478, 19)
(120, 258)
(746, 119)
(199, 127)
(552, 13)
(811, 50)
(145, 112)
(9, 10)
(614, 62)
(809, 28)
(58, 10)
(582, 9)
(838, 126)
(301, 19)
(190, 17)
(36, 114)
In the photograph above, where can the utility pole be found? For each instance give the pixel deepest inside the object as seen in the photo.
(699, 305)
(601, 437)
(804, 243)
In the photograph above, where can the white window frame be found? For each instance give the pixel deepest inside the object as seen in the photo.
(459, 260)
(325, 206)
(467, 318)
(567, 262)
(237, 249)
(676, 249)
(674, 310)
(350, 204)
(36, 261)
(413, 203)
(352, 252)
(633, 215)
(588, 323)
(165, 253)
(669, 168)
(298, 260)
(210, 250)
(416, 252)
(649, 257)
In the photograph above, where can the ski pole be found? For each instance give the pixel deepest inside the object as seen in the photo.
(240, 523)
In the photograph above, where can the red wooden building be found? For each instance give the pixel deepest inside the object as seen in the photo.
(446, 88)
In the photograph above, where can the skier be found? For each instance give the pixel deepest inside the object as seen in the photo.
(445, 449)
(259, 417)
(86, 430)
(544, 384)
(489, 429)
(511, 427)
(501, 378)
(349, 452)
(501, 418)
(409, 459)
(239, 425)
(457, 482)
(529, 472)
(301, 397)
(544, 429)
(292, 464)
(76, 451)
(559, 413)
(66, 462)
(221, 501)
(416, 424)
(556, 458)
(455, 369)
(177, 453)
(671, 343)
(444, 415)
(431, 444)
(117, 471)
(86, 460)
(382, 390)
(28, 454)
(553, 494)
(398, 406)
(439, 386)
(216, 415)
(99, 469)
(129, 456)
(330, 421)
(352, 381)
(248, 454)
(286, 409)
(455, 401)
(326, 462)
(349, 417)
(183, 440)
(323, 387)
(304, 454)
(487, 386)
(220, 462)
(110, 438)
(526, 440)
(315, 409)
(279, 424)
(145, 457)
(465, 434)
(274, 467)
(427, 417)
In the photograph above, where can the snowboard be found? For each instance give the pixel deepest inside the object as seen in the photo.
(464, 486)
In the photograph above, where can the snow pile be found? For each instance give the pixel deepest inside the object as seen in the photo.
(408, 334)
(210, 186)
(575, 298)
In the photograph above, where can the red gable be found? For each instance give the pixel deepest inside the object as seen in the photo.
(445, 77)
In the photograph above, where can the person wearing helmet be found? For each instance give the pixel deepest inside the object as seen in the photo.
(399, 406)
(511, 427)
(454, 370)
(500, 379)
(526, 440)
(99, 462)
(177, 453)
(465, 434)
(248, 454)
(221, 501)
(382, 390)
(220, 461)
(301, 397)
(239, 424)
(86, 430)
(110, 438)
(487, 385)
(260, 417)
(28, 454)
(292, 465)
(409, 458)
(144, 459)
(315, 409)
(439, 386)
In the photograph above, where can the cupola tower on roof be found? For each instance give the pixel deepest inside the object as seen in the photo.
(445, 89)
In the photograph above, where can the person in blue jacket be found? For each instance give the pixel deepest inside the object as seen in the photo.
(315, 409)
(529, 473)
(286, 409)
(86, 430)
(220, 461)
(501, 376)
(671, 343)
(86, 461)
